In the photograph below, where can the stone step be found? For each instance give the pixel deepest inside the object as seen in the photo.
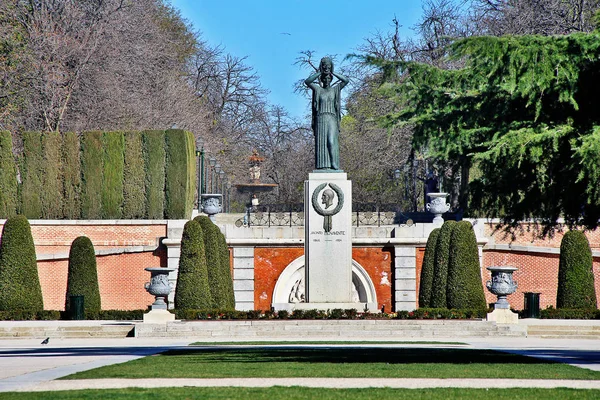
(72, 331)
(341, 330)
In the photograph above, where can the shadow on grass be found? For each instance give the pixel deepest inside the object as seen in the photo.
(359, 355)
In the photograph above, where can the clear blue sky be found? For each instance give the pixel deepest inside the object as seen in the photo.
(272, 33)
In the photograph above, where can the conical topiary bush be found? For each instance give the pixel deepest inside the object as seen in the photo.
(82, 278)
(575, 276)
(464, 288)
(427, 270)
(217, 259)
(19, 280)
(440, 277)
(192, 291)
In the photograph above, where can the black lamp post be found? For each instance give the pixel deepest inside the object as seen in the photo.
(212, 162)
(200, 155)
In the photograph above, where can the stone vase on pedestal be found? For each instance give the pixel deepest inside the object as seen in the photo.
(502, 285)
(437, 206)
(211, 204)
(159, 287)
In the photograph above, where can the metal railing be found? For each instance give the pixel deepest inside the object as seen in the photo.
(363, 214)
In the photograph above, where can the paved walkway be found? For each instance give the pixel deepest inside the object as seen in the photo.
(26, 365)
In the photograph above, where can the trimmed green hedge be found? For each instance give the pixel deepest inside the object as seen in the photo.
(52, 194)
(217, 260)
(575, 275)
(31, 175)
(464, 288)
(19, 281)
(82, 278)
(113, 144)
(134, 200)
(192, 291)
(99, 175)
(91, 175)
(8, 177)
(440, 277)
(427, 270)
(71, 173)
(154, 163)
(180, 174)
(227, 296)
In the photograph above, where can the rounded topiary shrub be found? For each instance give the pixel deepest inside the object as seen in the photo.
(440, 276)
(82, 278)
(192, 291)
(217, 259)
(575, 275)
(19, 281)
(427, 270)
(464, 288)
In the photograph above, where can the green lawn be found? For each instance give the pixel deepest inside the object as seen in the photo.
(373, 362)
(292, 393)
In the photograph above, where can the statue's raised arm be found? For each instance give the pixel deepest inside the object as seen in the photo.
(326, 113)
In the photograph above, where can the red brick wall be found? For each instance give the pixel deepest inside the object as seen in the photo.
(529, 236)
(121, 279)
(269, 263)
(378, 262)
(538, 273)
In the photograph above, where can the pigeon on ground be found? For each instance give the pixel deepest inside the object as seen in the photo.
(46, 340)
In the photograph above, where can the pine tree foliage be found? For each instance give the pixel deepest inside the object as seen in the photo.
(192, 291)
(427, 270)
(8, 177)
(19, 280)
(440, 276)
(464, 288)
(82, 277)
(575, 273)
(524, 108)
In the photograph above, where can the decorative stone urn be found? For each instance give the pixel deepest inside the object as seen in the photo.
(502, 285)
(437, 206)
(211, 204)
(159, 286)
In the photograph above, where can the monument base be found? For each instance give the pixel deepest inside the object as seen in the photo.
(158, 316)
(503, 316)
(360, 307)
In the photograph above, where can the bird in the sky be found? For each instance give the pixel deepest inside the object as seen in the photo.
(285, 33)
(45, 341)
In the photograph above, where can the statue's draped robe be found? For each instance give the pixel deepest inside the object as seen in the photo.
(326, 106)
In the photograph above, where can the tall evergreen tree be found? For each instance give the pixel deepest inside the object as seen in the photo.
(440, 277)
(523, 109)
(217, 260)
(192, 291)
(428, 270)
(464, 288)
(19, 280)
(8, 177)
(575, 273)
(82, 278)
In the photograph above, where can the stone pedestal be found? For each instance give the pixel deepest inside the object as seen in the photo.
(328, 240)
(158, 316)
(503, 316)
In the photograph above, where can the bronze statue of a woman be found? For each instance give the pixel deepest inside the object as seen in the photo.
(326, 114)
